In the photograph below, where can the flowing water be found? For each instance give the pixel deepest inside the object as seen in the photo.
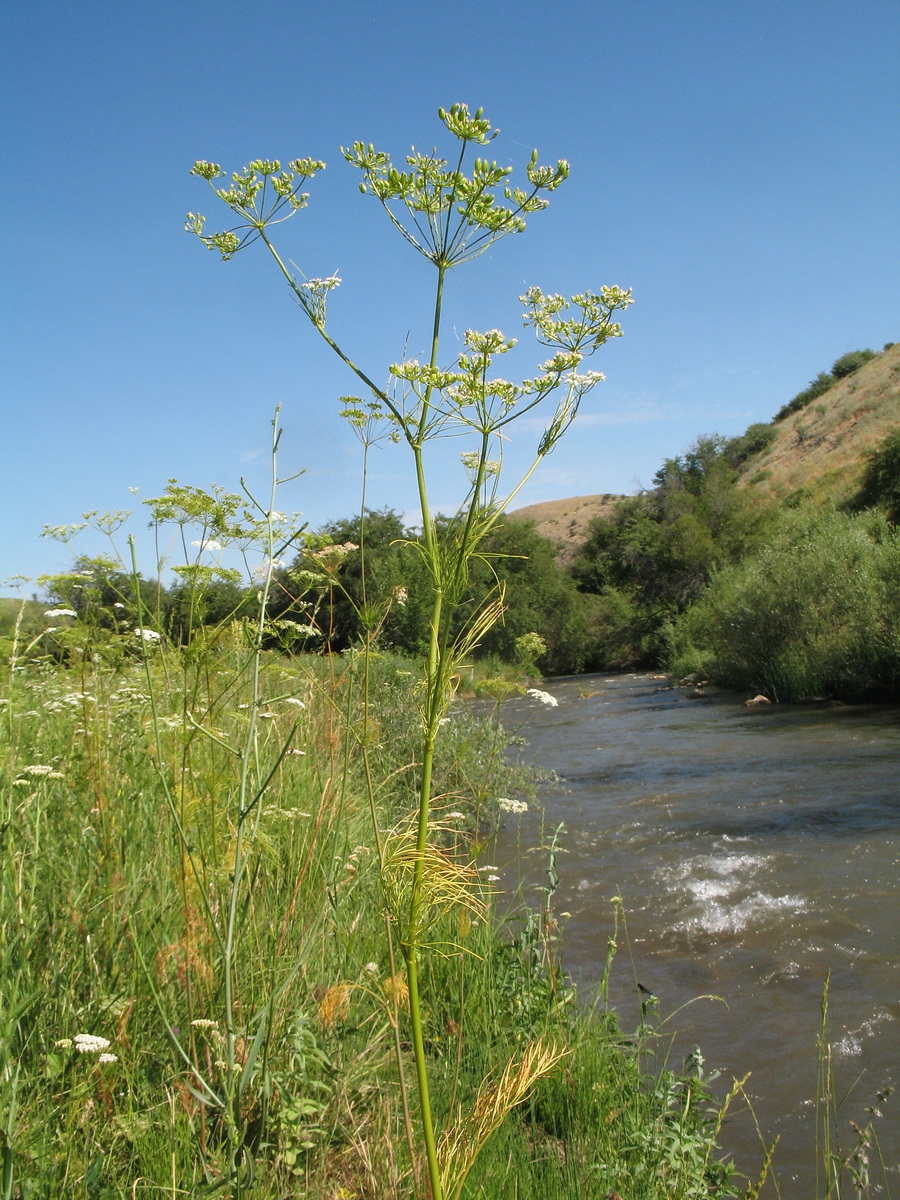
(756, 850)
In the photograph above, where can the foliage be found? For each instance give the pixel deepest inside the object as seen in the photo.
(813, 612)
(848, 363)
(880, 487)
(752, 441)
(655, 554)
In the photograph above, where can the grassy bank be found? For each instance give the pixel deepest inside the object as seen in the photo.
(203, 995)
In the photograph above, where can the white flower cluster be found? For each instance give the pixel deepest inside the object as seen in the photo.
(543, 697)
(60, 612)
(510, 805)
(88, 1043)
(148, 635)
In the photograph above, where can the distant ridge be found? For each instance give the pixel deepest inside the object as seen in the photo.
(818, 451)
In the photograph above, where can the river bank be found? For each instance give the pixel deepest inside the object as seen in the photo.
(756, 853)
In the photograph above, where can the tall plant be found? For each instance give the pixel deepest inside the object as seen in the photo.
(450, 212)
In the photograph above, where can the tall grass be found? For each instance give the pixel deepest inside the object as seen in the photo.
(122, 801)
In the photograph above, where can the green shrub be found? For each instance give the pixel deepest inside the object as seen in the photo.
(881, 479)
(817, 611)
(822, 382)
(848, 363)
(754, 440)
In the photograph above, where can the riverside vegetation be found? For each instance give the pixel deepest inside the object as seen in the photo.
(250, 943)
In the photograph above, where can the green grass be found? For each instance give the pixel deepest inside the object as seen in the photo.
(119, 830)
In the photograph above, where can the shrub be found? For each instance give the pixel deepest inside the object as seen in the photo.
(848, 363)
(814, 612)
(881, 478)
(754, 440)
(822, 382)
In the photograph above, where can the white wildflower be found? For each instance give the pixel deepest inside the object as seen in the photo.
(37, 769)
(456, 816)
(148, 635)
(205, 1023)
(88, 1043)
(492, 878)
(371, 968)
(63, 1044)
(299, 752)
(543, 697)
(108, 1058)
(293, 700)
(511, 805)
(60, 612)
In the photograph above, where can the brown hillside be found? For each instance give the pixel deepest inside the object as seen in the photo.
(820, 450)
(565, 522)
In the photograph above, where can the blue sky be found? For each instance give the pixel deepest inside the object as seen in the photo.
(734, 163)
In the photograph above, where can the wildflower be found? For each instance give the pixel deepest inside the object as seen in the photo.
(506, 804)
(60, 612)
(401, 595)
(292, 751)
(88, 1043)
(293, 700)
(456, 816)
(148, 635)
(118, 605)
(543, 697)
(492, 878)
(205, 1023)
(63, 1044)
(108, 1058)
(371, 968)
(37, 769)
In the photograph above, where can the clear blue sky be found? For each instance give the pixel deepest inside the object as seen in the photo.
(735, 163)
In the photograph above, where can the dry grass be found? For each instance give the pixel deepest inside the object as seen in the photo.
(822, 448)
(566, 522)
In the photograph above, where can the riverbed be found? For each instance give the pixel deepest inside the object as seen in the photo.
(756, 853)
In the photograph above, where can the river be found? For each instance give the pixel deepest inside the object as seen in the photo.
(756, 852)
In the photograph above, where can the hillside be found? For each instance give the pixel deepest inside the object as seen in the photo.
(819, 450)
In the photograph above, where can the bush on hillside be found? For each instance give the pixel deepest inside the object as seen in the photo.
(881, 478)
(754, 440)
(818, 387)
(848, 363)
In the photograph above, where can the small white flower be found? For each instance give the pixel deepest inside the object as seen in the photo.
(456, 816)
(492, 878)
(300, 752)
(371, 968)
(60, 612)
(63, 1044)
(205, 1023)
(543, 697)
(88, 1043)
(37, 769)
(511, 805)
(108, 1058)
(118, 604)
(148, 635)
(293, 700)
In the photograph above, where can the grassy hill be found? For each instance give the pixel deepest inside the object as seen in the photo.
(818, 450)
